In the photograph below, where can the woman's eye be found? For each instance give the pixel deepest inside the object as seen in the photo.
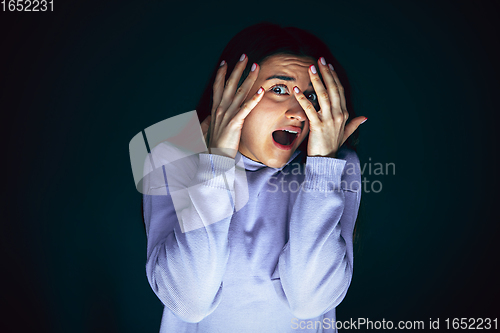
(312, 97)
(279, 89)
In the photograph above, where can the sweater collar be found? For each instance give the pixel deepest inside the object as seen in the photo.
(252, 165)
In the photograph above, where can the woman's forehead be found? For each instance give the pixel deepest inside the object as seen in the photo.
(291, 63)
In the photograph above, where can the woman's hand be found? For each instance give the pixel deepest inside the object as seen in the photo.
(222, 130)
(327, 127)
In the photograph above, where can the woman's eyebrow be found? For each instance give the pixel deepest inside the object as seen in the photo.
(284, 78)
(281, 77)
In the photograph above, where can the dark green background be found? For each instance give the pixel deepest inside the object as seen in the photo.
(78, 83)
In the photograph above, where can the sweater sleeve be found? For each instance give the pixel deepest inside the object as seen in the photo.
(187, 222)
(315, 266)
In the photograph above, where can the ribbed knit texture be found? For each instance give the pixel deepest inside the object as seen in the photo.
(323, 174)
(215, 170)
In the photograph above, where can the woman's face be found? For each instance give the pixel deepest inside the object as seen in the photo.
(264, 136)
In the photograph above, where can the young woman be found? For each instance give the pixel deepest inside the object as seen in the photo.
(255, 234)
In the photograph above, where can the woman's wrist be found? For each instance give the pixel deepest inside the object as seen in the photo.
(323, 173)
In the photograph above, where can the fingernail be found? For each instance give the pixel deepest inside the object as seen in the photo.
(313, 69)
(296, 89)
(222, 63)
(254, 66)
(260, 91)
(243, 57)
(364, 120)
(331, 67)
(322, 60)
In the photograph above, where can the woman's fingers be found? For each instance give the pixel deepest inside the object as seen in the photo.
(332, 88)
(248, 106)
(321, 92)
(218, 87)
(224, 92)
(232, 83)
(340, 88)
(307, 106)
(227, 116)
(205, 125)
(352, 126)
(244, 89)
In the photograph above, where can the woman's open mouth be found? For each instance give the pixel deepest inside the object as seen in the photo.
(285, 138)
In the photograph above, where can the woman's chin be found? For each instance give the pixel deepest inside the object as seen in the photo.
(279, 160)
(273, 157)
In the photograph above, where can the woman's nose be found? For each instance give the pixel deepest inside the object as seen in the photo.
(295, 111)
